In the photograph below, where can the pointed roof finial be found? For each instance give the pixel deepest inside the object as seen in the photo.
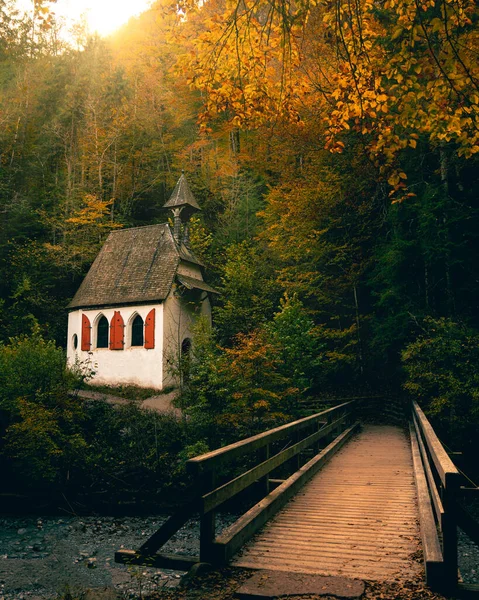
(182, 196)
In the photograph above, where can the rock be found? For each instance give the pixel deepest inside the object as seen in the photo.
(22, 531)
(196, 570)
(101, 594)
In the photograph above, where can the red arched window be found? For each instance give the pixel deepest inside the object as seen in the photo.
(117, 332)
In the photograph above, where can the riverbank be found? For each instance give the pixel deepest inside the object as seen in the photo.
(43, 557)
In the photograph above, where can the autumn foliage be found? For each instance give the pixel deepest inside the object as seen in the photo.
(333, 147)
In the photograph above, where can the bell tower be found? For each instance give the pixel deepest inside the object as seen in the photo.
(182, 204)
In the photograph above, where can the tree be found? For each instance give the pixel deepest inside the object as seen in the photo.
(441, 373)
(392, 77)
(248, 289)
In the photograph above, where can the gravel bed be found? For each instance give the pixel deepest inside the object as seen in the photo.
(43, 557)
(468, 551)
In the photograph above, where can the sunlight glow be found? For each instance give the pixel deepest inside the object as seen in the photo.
(102, 16)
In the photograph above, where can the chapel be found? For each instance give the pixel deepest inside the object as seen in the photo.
(134, 312)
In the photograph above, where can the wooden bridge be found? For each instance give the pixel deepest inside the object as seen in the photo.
(365, 501)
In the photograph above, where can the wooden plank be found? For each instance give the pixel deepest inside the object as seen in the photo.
(357, 568)
(256, 517)
(159, 561)
(360, 536)
(437, 503)
(355, 571)
(327, 529)
(332, 548)
(433, 559)
(168, 529)
(467, 591)
(444, 465)
(212, 460)
(233, 487)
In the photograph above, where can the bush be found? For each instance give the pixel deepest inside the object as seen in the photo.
(130, 449)
(52, 442)
(31, 368)
(40, 432)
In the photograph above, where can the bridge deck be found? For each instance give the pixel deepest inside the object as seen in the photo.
(358, 517)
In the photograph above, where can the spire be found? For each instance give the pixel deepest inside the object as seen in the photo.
(182, 197)
(181, 203)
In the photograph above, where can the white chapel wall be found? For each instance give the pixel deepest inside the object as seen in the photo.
(180, 315)
(132, 365)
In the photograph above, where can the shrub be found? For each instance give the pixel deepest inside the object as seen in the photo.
(31, 368)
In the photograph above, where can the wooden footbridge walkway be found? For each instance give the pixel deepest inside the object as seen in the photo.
(357, 517)
(365, 501)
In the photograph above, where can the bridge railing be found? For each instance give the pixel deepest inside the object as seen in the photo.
(334, 423)
(438, 485)
(263, 453)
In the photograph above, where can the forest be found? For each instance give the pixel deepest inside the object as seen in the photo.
(333, 148)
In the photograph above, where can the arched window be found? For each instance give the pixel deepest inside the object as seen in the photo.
(137, 331)
(75, 341)
(102, 333)
(186, 347)
(185, 361)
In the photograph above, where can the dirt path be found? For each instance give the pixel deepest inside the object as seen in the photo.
(162, 403)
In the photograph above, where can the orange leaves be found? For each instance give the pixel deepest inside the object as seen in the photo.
(93, 211)
(390, 73)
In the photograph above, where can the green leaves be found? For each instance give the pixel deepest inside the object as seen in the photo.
(441, 373)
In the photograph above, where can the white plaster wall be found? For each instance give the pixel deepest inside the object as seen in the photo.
(180, 315)
(132, 365)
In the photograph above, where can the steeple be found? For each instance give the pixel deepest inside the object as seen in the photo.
(182, 203)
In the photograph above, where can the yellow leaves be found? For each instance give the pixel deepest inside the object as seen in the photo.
(93, 211)
(384, 81)
(396, 33)
(393, 180)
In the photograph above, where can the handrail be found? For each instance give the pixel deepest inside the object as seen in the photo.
(205, 465)
(444, 465)
(333, 425)
(441, 482)
(211, 460)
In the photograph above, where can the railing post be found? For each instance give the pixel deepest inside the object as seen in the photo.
(264, 454)
(449, 530)
(316, 445)
(331, 435)
(207, 523)
(297, 459)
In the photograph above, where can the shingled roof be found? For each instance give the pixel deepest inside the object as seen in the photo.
(134, 265)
